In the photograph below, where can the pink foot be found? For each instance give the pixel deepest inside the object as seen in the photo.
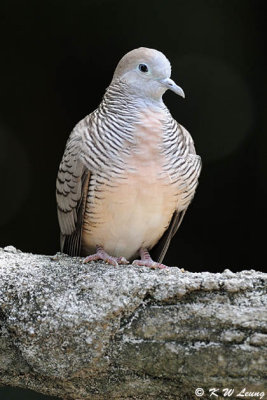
(102, 255)
(146, 261)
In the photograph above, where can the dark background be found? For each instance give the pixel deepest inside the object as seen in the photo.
(57, 58)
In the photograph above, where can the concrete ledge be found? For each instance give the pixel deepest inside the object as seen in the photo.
(93, 331)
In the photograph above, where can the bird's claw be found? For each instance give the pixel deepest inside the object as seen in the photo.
(122, 260)
(101, 255)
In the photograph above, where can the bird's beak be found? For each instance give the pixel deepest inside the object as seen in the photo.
(170, 84)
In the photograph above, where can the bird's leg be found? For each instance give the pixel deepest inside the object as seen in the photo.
(102, 255)
(146, 260)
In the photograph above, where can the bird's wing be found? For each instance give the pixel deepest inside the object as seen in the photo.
(71, 193)
(159, 250)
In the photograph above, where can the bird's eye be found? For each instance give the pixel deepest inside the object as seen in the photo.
(143, 67)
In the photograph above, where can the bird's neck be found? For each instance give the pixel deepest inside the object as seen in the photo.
(123, 112)
(128, 125)
(120, 97)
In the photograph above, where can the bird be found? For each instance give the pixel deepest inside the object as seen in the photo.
(129, 170)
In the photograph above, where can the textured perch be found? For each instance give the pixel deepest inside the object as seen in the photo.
(93, 331)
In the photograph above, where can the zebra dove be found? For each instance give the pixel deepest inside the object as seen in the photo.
(129, 170)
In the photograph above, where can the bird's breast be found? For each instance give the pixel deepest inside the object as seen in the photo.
(134, 209)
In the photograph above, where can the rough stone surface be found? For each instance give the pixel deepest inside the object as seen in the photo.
(92, 331)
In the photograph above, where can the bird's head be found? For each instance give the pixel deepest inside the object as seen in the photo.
(147, 72)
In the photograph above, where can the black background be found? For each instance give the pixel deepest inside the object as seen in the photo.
(57, 58)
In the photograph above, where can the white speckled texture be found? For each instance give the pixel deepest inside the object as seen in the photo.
(93, 331)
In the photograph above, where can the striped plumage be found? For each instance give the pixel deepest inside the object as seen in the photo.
(129, 170)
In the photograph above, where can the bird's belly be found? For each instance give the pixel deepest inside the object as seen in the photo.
(131, 214)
